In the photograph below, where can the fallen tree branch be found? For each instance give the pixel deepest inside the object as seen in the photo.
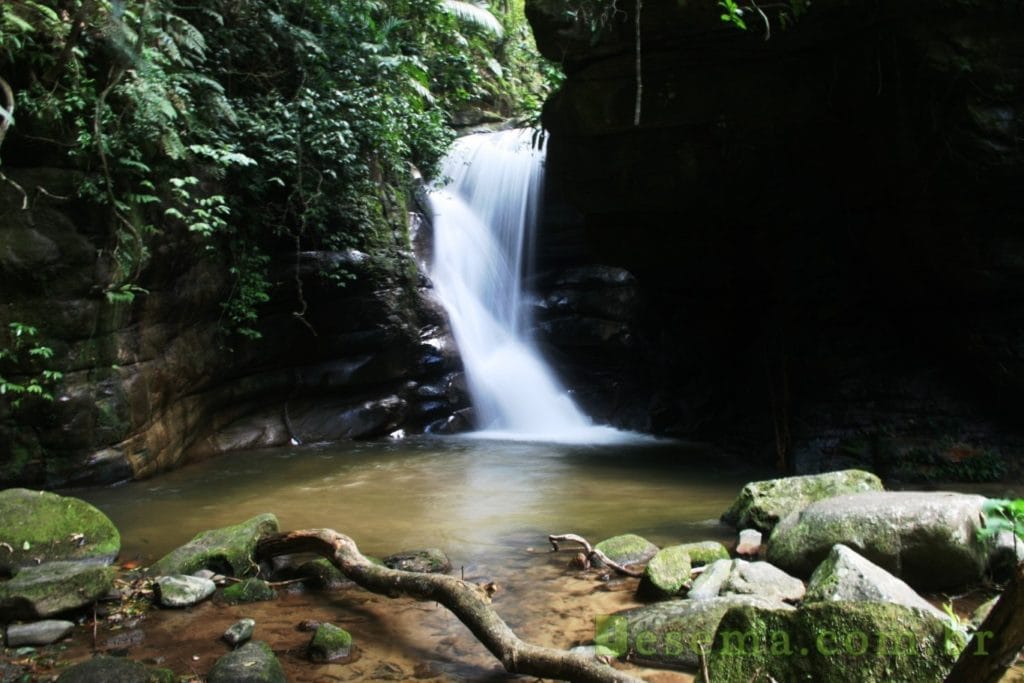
(466, 601)
(594, 555)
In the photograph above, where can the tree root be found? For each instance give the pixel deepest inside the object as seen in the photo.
(594, 555)
(466, 601)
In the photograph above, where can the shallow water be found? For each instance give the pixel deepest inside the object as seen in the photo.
(490, 504)
(472, 497)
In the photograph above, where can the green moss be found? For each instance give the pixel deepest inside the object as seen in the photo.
(330, 643)
(38, 525)
(628, 549)
(852, 641)
(254, 662)
(428, 561)
(705, 552)
(666, 574)
(229, 550)
(250, 590)
(42, 591)
(115, 670)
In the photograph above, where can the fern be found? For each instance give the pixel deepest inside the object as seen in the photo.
(474, 15)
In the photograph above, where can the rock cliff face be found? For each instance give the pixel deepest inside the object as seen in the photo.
(151, 384)
(824, 225)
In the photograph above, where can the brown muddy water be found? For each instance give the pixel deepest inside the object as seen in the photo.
(489, 504)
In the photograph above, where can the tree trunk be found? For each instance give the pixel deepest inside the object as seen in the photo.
(466, 601)
(998, 640)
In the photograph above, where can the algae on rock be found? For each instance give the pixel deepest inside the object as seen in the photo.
(228, 550)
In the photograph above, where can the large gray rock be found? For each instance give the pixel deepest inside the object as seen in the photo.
(761, 504)
(254, 662)
(739, 577)
(228, 550)
(183, 591)
(844, 642)
(846, 576)
(54, 587)
(669, 634)
(38, 632)
(930, 540)
(38, 526)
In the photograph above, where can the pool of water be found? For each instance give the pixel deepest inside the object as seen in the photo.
(488, 503)
(468, 496)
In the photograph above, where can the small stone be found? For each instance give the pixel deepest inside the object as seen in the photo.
(749, 543)
(250, 590)
(428, 561)
(205, 574)
(38, 633)
(330, 643)
(182, 591)
(240, 631)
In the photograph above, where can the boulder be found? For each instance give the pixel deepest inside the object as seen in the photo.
(321, 573)
(739, 577)
(250, 590)
(330, 643)
(239, 632)
(928, 539)
(428, 561)
(183, 591)
(669, 634)
(666, 574)
(853, 642)
(705, 552)
(38, 632)
(254, 662)
(228, 550)
(54, 587)
(761, 504)
(115, 670)
(846, 576)
(38, 526)
(628, 549)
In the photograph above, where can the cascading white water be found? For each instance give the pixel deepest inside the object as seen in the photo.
(482, 217)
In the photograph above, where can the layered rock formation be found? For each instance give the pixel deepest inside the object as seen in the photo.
(150, 384)
(823, 222)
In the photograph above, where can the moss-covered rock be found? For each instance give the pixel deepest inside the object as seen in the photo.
(845, 575)
(115, 670)
(321, 573)
(54, 587)
(669, 634)
(228, 550)
(666, 574)
(250, 590)
(254, 662)
(928, 539)
(628, 549)
(705, 552)
(330, 643)
(853, 642)
(761, 504)
(428, 561)
(38, 526)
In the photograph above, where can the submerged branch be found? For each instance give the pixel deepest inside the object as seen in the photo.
(466, 601)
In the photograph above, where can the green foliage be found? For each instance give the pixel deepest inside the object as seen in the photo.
(732, 13)
(1003, 515)
(954, 632)
(22, 374)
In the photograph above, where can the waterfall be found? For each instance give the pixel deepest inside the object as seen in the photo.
(484, 209)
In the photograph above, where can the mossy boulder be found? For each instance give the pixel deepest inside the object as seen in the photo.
(115, 670)
(39, 526)
(666, 574)
(330, 643)
(53, 587)
(254, 662)
(628, 549)
(845, 575)
(848, 642)
(428, 561)
(321, 573)
(705, 552)
(761, 504)
(228, 550)
(669, 634)
(928, 539)
(250, 590)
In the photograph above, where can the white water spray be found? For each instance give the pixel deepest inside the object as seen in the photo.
(483, 217)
